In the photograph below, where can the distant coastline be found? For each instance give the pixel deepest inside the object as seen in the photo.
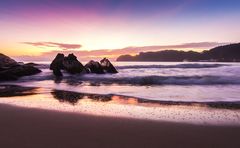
(227, 53)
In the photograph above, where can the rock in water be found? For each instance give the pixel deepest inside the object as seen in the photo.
(107, 66)
(72, 65)
(23, 70)
(11, 70)
(94, 67)
(6, 62)
(57, 64)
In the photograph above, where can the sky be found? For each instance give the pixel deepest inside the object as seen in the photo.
(92, 29)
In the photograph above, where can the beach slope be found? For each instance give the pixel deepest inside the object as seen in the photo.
(28, 128)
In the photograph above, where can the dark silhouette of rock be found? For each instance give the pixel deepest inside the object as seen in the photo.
(6, 61)
(57, 64)
(107, 66)
(14, 73)
(72, 65)
(23, 70)
(31, 64)
(11, 70)
(69, 63)
(94, 67)
(227, 53)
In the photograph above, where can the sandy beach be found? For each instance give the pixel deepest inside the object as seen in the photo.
(28, 128)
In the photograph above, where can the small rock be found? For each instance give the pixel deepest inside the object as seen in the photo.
(94, 67)
(108, 66)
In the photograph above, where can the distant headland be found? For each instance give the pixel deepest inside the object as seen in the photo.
(226, 53)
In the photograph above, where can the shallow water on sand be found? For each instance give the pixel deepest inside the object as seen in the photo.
(128, 107)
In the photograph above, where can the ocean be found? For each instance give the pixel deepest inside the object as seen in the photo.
(185, 92)
(161, 81)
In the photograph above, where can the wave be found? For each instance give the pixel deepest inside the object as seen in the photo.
(140, 80)
(195, 65)
(172, 66)
(165, 80)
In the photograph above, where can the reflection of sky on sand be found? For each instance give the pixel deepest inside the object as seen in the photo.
(187, 93)
(118, 106)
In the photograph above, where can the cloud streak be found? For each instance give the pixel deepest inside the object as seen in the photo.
(62, 46)
(112, 54)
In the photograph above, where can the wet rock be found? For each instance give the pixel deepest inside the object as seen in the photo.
(11, 70)
(94, 67)
(30, 64)
(23, 70)
(6, 62)
(57, 64)
(72, 65)
(108, 66)
(14, 73)
(4, 76)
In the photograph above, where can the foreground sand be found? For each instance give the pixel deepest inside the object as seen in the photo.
(35, 128)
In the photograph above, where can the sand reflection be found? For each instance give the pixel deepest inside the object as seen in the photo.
(123, 106)
(13, 90)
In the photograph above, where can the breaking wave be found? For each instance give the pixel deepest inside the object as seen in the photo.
(142, 80)
(172, 66)
(165, 80)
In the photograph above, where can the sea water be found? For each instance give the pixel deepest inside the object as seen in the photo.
(163, 81)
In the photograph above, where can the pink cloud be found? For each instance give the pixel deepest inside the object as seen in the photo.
(112, 54)
(62, 46)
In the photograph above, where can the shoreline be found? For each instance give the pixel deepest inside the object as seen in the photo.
(27, 127)
(13, 90)
(217, 113)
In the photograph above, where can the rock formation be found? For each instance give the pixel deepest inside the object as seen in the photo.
(73, 66)
(69, 63)
(94, 67)
(12, 70)
(57, 64)
(107, 66)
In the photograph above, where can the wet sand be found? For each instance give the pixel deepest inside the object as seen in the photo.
(28, 128)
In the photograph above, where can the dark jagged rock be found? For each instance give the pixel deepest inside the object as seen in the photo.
(14, 73)
(69, 63)
(6, 62)
(31, 64)
(5, 76)
(94, 67)
(72, 65)
(23, 70)
(57, 64)
(11, 70)
(107, 66)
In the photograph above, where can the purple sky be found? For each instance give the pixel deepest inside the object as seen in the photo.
(31, 28)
